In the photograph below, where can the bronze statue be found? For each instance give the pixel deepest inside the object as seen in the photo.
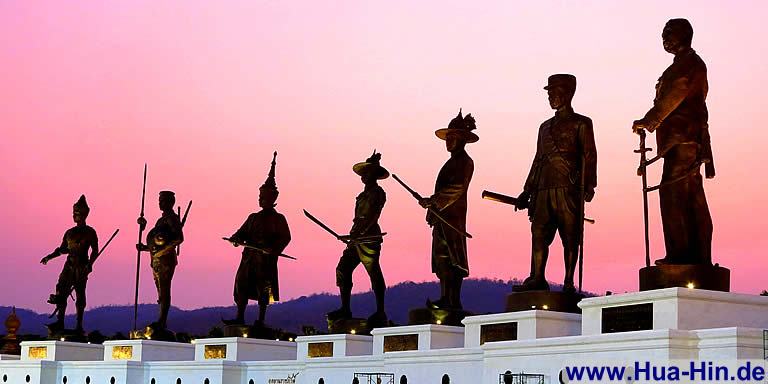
(76, 243)
(449, 239)
(162, 240)
(679, 118)
(264, 235)
(562, 177)
(365, 225)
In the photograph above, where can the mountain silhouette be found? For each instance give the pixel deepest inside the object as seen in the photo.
(479, 296)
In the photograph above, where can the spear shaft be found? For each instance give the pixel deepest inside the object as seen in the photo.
(138, 252)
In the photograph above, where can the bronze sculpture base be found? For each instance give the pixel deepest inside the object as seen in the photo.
(352, 325)
(544, 300)
(437, 316)
(710, 277)
(256, 331)
(153, 333)
(73, 335)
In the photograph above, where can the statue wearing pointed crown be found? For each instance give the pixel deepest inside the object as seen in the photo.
(264, 235)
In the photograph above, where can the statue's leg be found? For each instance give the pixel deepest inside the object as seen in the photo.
(165, 294)
(347, 263)
(542, 234)
(263, 304)
(701, 223)
(568, 227)
(455, 299)
(378, 286)
(63, 286)
(240, 292)
(675, 205)
(80, 303)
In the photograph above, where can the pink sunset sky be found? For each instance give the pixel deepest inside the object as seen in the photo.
(205, 91)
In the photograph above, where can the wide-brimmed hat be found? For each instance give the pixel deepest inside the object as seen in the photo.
(371, 164)
(562, 80)
(461, 125)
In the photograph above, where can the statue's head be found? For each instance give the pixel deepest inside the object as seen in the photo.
(459, 132)
(167, 200)
(268, 191)
(80, 210)
(677, 35)
(560, 89)
(371, 170)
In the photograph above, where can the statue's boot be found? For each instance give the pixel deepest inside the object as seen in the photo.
(344, 312)
(377, 319)
(57, 325)
(235, 321)
(665, 261)
(438, 304)
(341, 313)
(534, 284)
(569, 287)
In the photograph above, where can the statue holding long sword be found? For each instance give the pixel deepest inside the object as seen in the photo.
(363, 243)
(447, 212)
(264, 236)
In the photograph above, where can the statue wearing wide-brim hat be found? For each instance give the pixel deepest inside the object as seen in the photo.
(372, 165)
(463, 126)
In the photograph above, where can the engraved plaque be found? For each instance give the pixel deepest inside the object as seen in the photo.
(215, 351)
(37, 353)
(395, 343)
(122, 352)
(638, 317)
(320, 349)
(498, 332)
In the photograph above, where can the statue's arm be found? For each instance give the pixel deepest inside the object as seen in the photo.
(60, 250)
(530, 181)
(284, 235)
(670, 98)
(451, 192)
(94, 248)
(590, 159)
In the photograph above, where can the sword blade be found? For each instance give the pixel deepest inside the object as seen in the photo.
(256, 248)
(320, 223)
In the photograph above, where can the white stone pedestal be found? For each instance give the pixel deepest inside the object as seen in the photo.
(52, 350)
(680, 308)
(335, 345)
(242, 349)
(9, 357)
(416, 338)
(147, 350)
(534, 324)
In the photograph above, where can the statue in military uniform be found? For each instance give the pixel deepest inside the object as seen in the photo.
(368, 206)
(679, 119)
(449, 247)
(162, 240)
(563, 176)
(265, 235)
(76, 243)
